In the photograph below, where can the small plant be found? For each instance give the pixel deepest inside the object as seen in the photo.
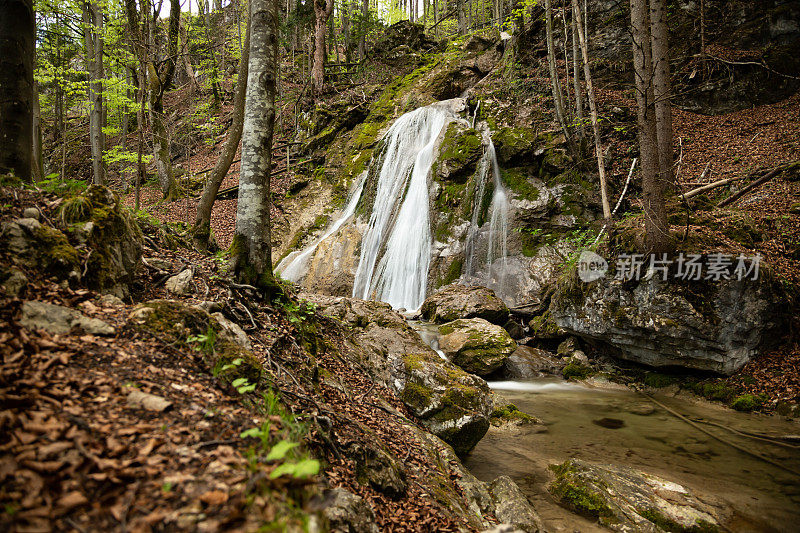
(748, 402)
(75, 209)
(576, 371)
(204, 342)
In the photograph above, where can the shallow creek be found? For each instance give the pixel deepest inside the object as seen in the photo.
(604, 423)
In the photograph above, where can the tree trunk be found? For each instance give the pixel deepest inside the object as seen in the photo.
(659, 44)
(322, 10)
(656, 228)
(209, 31)
(555, 84)
(576, 74)
(201, 232)
(158, 83)
(93, 36)
(462, 18)
(186, 59)
(37, 164)
(252, 255)
(598, 146)
(362, 43)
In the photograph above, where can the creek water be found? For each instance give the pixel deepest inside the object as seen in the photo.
(615, 425)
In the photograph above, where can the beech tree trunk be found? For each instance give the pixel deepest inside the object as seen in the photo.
(598, 145)
(659, 45)
(322, 10)
(37, 163)
(576, 74)
(362, 43)
(158, 83)
(252, 255)
(555, 85)
(656, 228)
(462, 18)
(16, 86)
(93, 37)
(201, 233)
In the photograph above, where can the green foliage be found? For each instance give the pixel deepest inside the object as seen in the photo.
(576, 371)
(748, 402)
(62, 187)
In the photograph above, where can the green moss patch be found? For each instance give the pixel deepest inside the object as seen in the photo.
(577, 494)
(509, 414)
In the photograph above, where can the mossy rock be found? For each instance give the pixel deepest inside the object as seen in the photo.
(476, 345)
(460, 151)
(514, 146)
(194, 331)
(509, 414)
(34, 245)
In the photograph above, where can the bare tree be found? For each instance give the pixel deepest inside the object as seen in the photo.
(656, 227)
(322, 11)
(598, 145)
(659, 44)
(201, 232)
(16, 86)
(555, 84)
(252, 256)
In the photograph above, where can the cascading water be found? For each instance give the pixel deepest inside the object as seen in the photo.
(295, 265)
(400, 275)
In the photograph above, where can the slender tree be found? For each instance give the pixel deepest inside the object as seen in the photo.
(659, 45)
(93, 38)
(656, 227)
(598, 145)
(555, 84)
(252, 256)
(202, 224)
(16, 87)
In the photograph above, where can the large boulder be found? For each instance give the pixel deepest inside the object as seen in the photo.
(476, 345)
(462, 301)
(97, 220)
(527, 362)
(716, 326)
(624, 499)
(451, 404)
(31, 244)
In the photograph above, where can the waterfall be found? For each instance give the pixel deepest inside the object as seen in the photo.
(400, 275)
(295, 265)
(494, 272)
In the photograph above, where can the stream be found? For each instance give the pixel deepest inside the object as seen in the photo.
(606, 423)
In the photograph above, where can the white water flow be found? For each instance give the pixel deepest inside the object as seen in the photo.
(399, 276)
(494, 275)
(295, 265)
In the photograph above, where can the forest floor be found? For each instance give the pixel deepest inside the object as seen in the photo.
(81, 453)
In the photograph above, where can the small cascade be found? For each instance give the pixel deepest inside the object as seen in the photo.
(493, 272)
(396, 247)
(294, 266)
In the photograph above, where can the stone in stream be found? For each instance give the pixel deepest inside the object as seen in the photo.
(462, 301)
(624, 499)
(476, 345)
(527, 363)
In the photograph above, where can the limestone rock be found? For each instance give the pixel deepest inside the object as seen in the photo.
(376, 468)
(462, 301)
(348, 513)
(233, 330)
(460, 150)
(109, 300)
(624, 499)
(527, 363)
(158, 263)
(180, 284)
(33, 245)
(661, 324)
(511, 505)
(150, 402)
(58, 319)
(31, 212)
(476, 345)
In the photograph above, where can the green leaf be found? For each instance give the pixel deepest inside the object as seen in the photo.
(306, 468)
(280, 450)
(284, 469)
(252, 432)
(238, 382)
(246, 388)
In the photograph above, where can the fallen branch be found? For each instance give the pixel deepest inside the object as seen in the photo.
(760, 181)
(708, 187)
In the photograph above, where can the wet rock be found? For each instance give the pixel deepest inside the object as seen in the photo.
(514, 329)
(448, 402)
(567, 347)
(578, 358)
(460, 150)
(527, 362)
(462, 301)
(511, 505)
(661, 324)
(503, 528)
(376, 468)
(14, 281)
(476, 345)
(624, 499)
(58, 319)
(180, 284)
(348, 513)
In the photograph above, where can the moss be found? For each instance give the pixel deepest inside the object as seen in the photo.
(516, 180)
(748, 402)
(514, 144)
(509, 413)
(459, 153)
(576, 371)
(543, 326)
(570, 489)
(667, 524)
(453, 272)
(416, 396)
(58, 256)
(659, 381)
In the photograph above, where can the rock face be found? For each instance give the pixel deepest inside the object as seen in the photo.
(476, 345)
(450, 403)
(662, 324)
(462, 301)
(512, 507)
(58, 319)
(347, 512)
(460, 149)
(528, 363)
(33, 245)
(624, 499)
